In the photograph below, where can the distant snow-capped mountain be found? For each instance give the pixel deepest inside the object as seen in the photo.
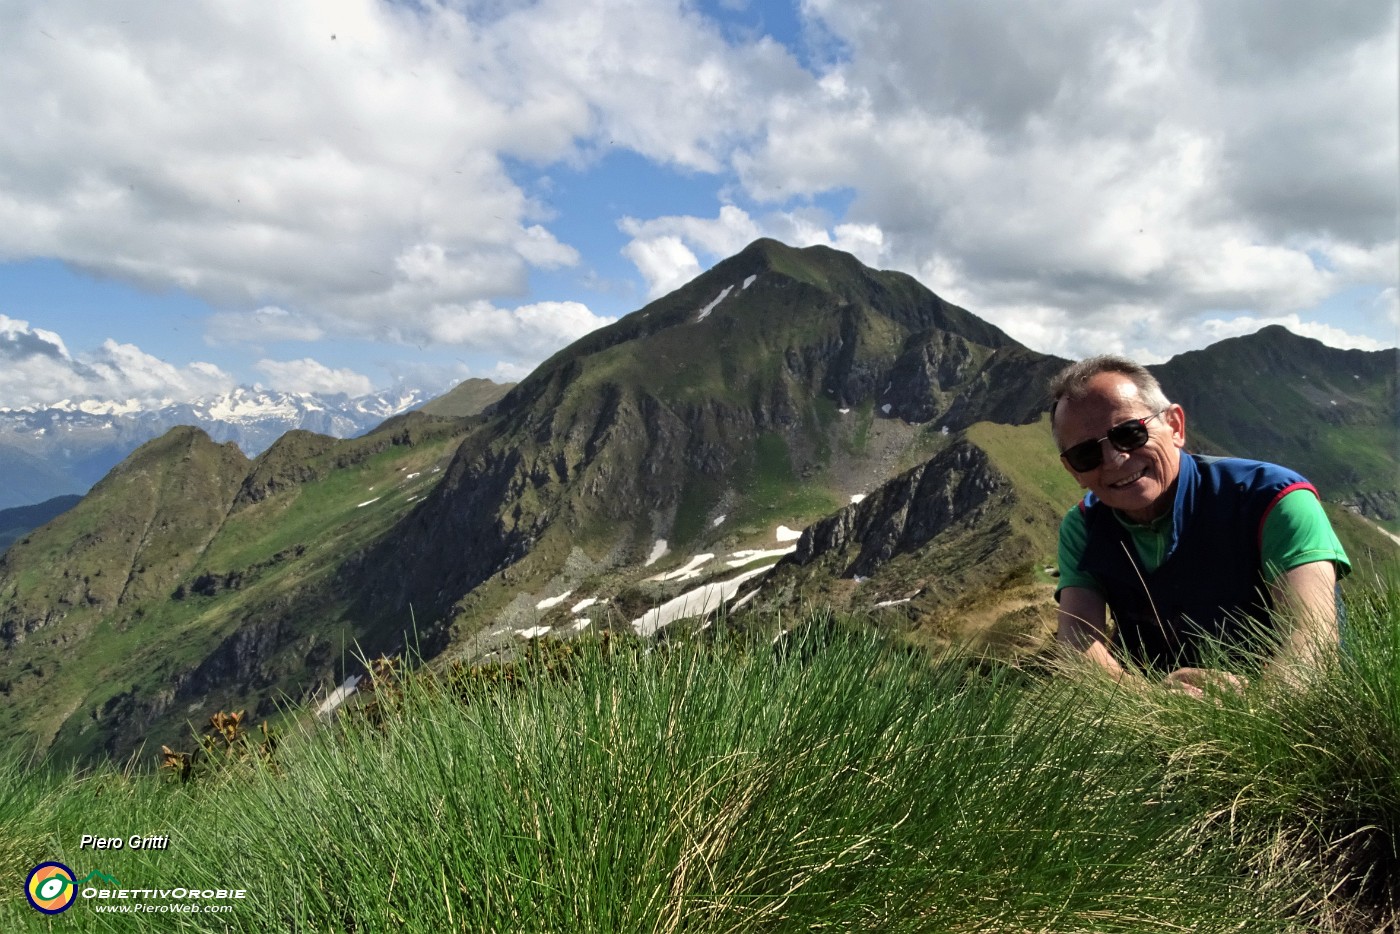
(69, 446)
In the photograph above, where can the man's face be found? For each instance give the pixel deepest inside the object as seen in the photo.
(1138, 483)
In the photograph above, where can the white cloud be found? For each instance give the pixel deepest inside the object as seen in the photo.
(1084, 172)
(509, 371)
(540, 249)
(38, 370)
(308, 375)
(1093, 173)
(344, 160)
(664, 260)
(19, 340)
(655, 77)
(530, 332)
(266, 324)
(350, 168)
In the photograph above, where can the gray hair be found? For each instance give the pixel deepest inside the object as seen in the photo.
(1072, 382)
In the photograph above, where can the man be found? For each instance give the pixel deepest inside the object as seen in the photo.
(1192, 554)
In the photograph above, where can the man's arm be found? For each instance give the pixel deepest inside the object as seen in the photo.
(1306, 598)
(1082, 618)
(1083, 613)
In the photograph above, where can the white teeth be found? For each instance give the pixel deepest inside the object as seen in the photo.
(1127, 480)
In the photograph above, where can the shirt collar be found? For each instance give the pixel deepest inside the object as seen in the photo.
(1183, 501)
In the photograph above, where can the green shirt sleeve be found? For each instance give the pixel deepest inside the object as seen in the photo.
(1074, 537)
(1296, 532)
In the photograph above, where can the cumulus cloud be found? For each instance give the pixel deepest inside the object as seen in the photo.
(1084, 172)
(18, 341)
(40, 371)
(509, 371)
(655, 77)
(347, 160)
(1095, 173)
(308, 375)
(345, 164)
(529, 332)
(663, 259)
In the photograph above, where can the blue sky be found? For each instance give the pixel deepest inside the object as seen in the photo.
(345, 195)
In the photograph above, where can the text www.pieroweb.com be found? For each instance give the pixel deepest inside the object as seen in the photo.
(161, 909)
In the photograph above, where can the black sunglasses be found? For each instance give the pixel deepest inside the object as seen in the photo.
(1128, 436)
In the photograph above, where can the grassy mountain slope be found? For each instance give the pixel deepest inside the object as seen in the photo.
(839, 782)
(951, 549)
(1328, 413)
(192, 579)
(92, 575)
(769, 390)
(467, 398)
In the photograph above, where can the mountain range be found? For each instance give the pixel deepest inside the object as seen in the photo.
(789, 428)
(65, 448)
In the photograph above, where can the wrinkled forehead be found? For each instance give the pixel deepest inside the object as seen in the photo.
(1108, 400)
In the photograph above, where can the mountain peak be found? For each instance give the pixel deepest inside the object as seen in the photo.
(816, 311)
(818, 265)
(180, 442)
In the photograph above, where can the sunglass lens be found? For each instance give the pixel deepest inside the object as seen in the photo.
(1085, 456)
(1128, 436)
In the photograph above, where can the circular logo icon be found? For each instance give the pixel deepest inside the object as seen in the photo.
(51, 888)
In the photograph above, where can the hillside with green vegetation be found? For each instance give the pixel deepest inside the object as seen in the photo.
(827, 779)
(767, 391)
(1329, 414)
(466, 399)
(648, 461)
(192, 578)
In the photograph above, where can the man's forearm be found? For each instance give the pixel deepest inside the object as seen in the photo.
(1081, 623)
(1305, 598)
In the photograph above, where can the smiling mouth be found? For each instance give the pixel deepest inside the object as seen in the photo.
(1128, 481)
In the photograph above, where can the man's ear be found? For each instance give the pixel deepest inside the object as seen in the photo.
(1175, 416)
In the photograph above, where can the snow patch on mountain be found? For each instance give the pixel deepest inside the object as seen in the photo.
(698, 602)
(705, 312)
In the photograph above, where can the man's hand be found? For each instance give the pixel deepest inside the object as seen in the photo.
(1194, 681)
(1082, 618)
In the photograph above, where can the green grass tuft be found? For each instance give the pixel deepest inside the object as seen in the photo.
(832, 780)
